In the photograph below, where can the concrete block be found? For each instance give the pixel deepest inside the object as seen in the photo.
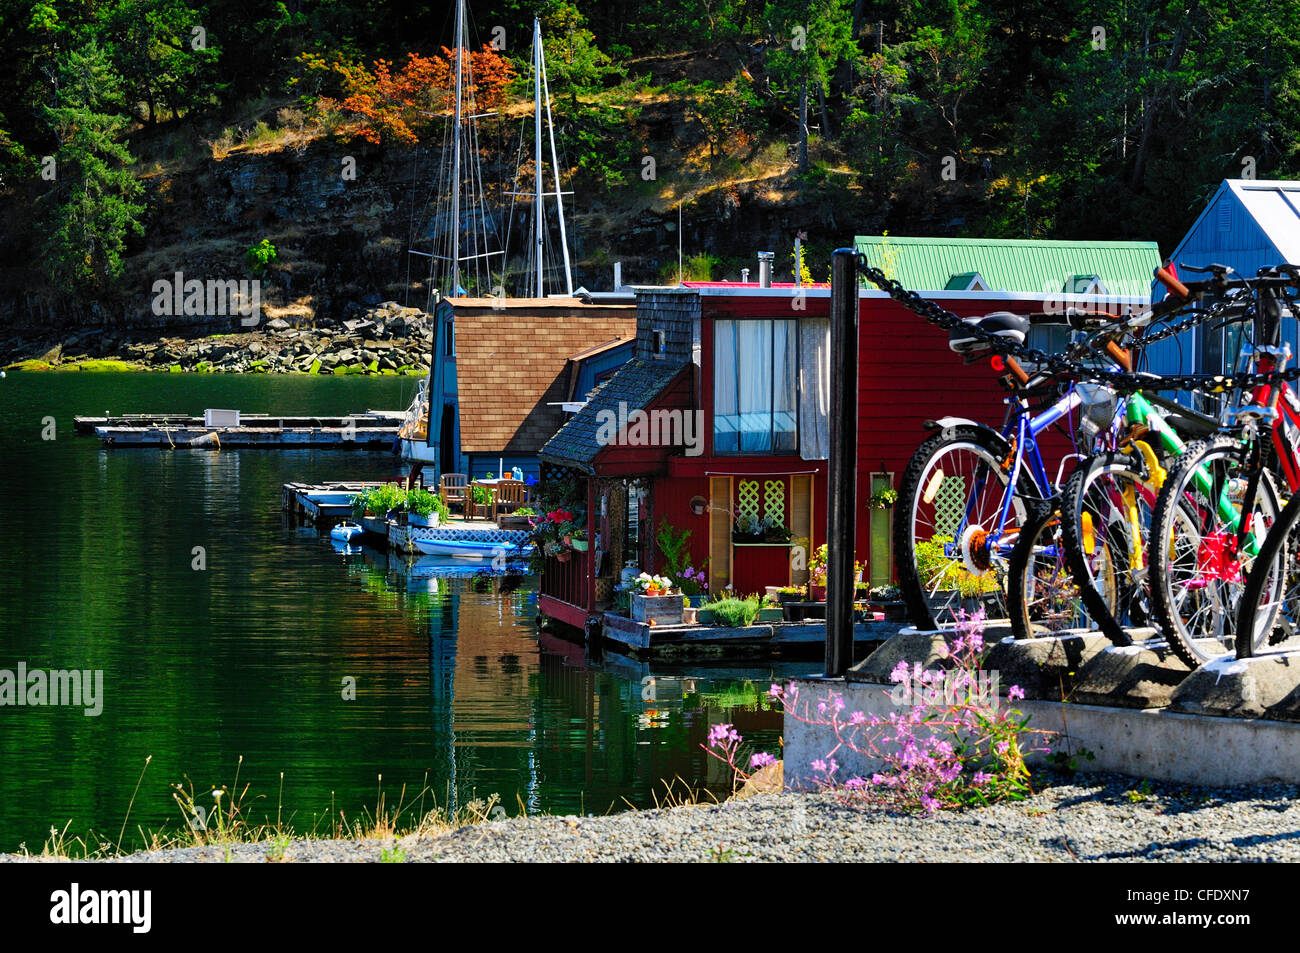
(910, 646)
(1046, 667)
(1134, 676)
(1153, 743)
(1267, 686)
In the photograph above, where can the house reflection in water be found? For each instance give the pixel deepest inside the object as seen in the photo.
(530, 718)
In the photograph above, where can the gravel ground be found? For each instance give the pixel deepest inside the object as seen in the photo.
(1079, 818)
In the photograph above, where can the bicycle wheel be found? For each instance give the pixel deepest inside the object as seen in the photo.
(1043, 595)
(1197, 574)
(950, 499)
(1273, 590)
(1107, 505)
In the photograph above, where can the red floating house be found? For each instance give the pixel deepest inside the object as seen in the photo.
(718, 425)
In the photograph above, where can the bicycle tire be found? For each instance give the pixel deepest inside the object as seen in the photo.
(1110, 604)
(1277, 546)
(1211, 619)
(984, 445)
(1043, 597)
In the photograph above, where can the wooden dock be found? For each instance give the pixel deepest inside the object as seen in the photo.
(761, 641)
(372, 430)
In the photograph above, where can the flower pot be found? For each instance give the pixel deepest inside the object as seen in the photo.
(568, 541)
(688, 615)
(771, 614)
(564, 555)
(698, 599)
(784, 597)
(704, 616)
(818, 593)
(660, 610)
(415, 519)
(579, 545)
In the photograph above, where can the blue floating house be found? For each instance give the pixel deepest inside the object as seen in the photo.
(1248, 224)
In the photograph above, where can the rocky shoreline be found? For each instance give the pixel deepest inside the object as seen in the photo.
(386, 339)
(1071, 818)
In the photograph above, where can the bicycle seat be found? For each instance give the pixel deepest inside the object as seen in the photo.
(1003, 324)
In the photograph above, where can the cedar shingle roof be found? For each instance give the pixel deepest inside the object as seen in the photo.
(510, 363)
(637, 382)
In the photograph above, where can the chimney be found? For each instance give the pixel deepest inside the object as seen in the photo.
(618, 276)
(765, 268)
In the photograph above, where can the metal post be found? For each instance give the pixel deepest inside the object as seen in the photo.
(841, 492)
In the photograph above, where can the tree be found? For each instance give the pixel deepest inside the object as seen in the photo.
(162, 62)
(393, 104)
(807, 40)
(92, 206)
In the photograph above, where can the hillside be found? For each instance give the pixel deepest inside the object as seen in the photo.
(916, 123)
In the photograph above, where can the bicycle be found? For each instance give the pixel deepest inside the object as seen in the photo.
(1219, 502)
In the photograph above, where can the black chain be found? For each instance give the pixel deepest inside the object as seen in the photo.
(1120, 380)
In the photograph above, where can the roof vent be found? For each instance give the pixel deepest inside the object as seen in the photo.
(765, 259)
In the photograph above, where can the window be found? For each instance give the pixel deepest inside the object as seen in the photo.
(755, 367)
(450, 346)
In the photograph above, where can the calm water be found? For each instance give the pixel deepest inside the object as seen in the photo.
(248, 657)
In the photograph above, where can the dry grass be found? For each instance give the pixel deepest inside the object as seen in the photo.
(222, 817)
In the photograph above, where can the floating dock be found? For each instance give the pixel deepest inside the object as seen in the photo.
(231, 430)
(324, 503)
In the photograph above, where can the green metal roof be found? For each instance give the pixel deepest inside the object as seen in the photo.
(1012, 264)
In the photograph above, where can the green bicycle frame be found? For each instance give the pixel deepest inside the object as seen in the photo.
(1141, 411)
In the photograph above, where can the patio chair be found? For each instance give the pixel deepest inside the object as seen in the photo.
(453, 490)
(510, 495)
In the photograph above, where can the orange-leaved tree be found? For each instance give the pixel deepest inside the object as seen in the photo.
(384, 103)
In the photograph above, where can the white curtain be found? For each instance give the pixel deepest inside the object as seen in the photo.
(726, 424)
(814, 388)
(754, 339)
(785, 393)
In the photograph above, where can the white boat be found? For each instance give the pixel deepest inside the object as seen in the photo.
(471, 548)
(346, 531)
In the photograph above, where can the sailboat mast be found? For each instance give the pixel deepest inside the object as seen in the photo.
(555, 171)
(539, 221)
(455, 154)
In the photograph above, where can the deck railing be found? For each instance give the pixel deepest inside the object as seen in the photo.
(567, 581)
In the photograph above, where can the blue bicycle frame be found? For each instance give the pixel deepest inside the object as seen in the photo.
(1022, 431)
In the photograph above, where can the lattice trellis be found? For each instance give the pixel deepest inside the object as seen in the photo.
(949, 506)
(746, 500)
(774, 500)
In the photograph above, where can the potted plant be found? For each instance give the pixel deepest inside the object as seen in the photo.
(747, 530)
(817, 574)
(694, 584)
(425, 508)
(774, 530)
(889, 601)
(578, 540)
(883, 499)
(769, 610)
(656, 600)
(734, 613)
(519, 519)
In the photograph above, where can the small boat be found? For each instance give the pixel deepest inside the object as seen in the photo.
(471, 549)
(346, 531)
